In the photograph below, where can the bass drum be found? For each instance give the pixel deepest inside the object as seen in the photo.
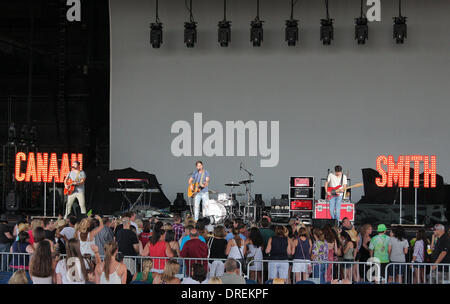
(215, 211)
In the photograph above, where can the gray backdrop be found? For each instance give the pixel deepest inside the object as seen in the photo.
(340, 104)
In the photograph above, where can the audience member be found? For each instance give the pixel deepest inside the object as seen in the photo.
(111, 271)
(301, 248)
(19, 277)
(195, 249)
(198, 275)
(379, 246)
(278, 248)
(41, 271)
(232, 273)
(146, 274)
(168, 276)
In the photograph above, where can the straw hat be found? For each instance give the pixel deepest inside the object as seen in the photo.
(61, 223)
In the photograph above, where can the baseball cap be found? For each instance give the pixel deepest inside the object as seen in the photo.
(381, 228)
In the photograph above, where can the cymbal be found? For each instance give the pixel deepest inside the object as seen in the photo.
(232, 185)
(248, 181)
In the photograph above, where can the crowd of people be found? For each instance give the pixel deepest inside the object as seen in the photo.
(102, 250)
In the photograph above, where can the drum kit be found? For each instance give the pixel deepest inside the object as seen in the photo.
(228, 207)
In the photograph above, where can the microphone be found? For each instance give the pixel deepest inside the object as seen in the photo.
(240, 166)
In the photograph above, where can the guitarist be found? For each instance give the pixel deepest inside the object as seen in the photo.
(200, 176)
(336, 179)
(78, 178)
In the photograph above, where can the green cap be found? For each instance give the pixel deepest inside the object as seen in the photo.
(381, 228)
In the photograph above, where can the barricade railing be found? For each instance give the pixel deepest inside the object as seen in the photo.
(417, 273)
(215, 267)
(320, 272)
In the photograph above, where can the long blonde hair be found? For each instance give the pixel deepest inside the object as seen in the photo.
(170, 270)
(19, 277)
(147, 266)
(215, 280)
(110, 249)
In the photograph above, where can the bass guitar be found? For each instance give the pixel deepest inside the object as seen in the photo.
(335, 190)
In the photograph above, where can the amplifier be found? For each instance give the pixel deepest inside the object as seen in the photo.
(301, 214)
(322, 210)
(301, 205)
(302, 193)
(302, 181)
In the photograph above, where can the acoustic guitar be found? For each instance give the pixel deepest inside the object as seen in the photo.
(334, 190)
(193, 189)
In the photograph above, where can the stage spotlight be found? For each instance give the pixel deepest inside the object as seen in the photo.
(326, 28)
(224, 33)
(190, 34)
(11, 134)
(291, 32)
(156, 34)
(361, 27)
(256, 30)
(400, 28)
(361, 30)
(256, 33)
(190, 28)
(326, 31)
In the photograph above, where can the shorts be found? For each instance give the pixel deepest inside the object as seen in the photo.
(396, 269)
(348, 264)
(301, 265)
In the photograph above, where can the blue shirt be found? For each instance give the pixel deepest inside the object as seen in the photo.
(187, 238)
(230, 236)
(197, 176)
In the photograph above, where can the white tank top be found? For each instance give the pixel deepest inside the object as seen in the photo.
(236, 253)
(113, 278)
(85, 247)
(47, 280)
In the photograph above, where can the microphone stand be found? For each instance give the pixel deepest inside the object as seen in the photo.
(248, 189)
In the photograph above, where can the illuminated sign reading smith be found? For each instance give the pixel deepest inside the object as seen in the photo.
(39, 169)
(400, 172)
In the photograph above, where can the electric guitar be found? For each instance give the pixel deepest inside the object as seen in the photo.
(69, 188)
(334, 190)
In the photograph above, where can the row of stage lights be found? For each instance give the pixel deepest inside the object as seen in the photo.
(291, 31)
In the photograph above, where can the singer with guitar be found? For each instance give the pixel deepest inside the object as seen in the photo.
(74, 188)
(336, 180)
(198, 187)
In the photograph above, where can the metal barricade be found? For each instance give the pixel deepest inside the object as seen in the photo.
(417, 273)
(293, 271)
(135, 264)
(10, 262)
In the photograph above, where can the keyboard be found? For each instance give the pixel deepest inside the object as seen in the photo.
(134, 190)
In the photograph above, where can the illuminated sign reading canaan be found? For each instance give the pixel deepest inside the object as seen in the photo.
(398, 173)
(41, 168)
